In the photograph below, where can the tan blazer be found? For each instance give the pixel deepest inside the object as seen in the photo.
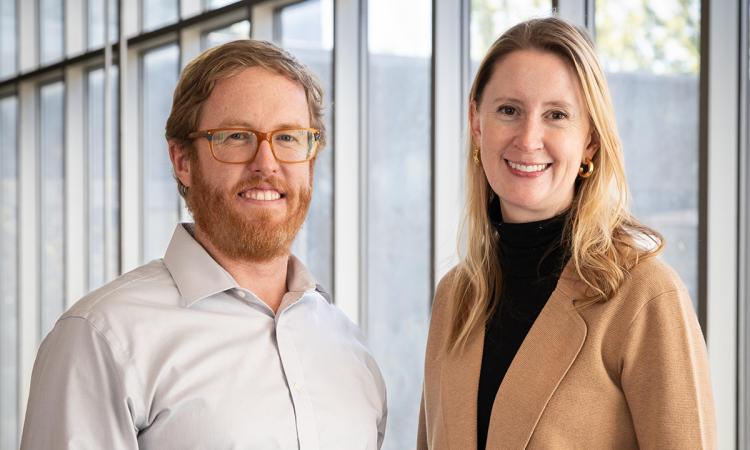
(626, 373)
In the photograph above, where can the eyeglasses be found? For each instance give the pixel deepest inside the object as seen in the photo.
(240, 145)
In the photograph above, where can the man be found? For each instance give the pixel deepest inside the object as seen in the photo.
(227, 342)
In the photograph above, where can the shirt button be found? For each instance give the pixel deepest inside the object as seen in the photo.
(241, 294)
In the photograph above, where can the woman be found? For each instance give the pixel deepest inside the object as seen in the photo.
(558, 329)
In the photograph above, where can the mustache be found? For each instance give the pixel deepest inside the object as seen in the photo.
(256, 180)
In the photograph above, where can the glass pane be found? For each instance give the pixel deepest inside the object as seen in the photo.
(8, 38)
(52, 210)
(157, 13)
(307, 24)
(399, 280)
(103, 260)
(314, 243)
(96, 22)
(239, 30)
(51, 34)
(8, 273)
(650, 51)
(161, 205)
(490, 18)
(213, 4)
(744, 356)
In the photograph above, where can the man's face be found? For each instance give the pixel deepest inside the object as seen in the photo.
(251, 211)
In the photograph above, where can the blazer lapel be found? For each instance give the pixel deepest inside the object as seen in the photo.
(459, 390)
(537, 369)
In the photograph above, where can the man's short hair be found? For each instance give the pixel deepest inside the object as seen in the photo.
(200, 75)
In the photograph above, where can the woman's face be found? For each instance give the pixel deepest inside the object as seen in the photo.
(533, 131)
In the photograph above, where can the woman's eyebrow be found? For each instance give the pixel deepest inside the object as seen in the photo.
(559, 104)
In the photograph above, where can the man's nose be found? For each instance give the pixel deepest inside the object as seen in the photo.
(264, 163)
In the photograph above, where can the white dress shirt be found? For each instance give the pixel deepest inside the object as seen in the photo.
(175, 355)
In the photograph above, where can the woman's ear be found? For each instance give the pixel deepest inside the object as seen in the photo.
(178, 154)
(592, 146)
(475, 124)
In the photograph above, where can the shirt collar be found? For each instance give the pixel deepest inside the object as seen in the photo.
(298, 278)
(197, 275)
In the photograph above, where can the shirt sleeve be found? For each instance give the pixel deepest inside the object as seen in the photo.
(665, 375)
(78, 397)
(381, 427)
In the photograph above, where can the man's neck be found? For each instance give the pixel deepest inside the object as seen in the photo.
(266, 279)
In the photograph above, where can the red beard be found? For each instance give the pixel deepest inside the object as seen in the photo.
(249, 238)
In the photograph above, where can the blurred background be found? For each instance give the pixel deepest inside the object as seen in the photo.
(86, 191)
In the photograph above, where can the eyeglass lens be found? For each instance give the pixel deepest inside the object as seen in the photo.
(240, 146)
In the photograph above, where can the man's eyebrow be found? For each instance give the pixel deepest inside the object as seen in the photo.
(231, 123)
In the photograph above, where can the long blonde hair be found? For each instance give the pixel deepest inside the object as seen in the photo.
(605, 241)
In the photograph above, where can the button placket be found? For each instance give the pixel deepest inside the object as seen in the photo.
(291, 363)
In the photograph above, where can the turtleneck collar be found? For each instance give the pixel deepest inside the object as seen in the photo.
(532, 249)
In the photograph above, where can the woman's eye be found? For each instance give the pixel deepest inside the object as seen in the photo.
(507, 110)
(558, 115)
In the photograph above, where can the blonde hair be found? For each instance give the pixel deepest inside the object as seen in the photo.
(604, 240)
(201, 74)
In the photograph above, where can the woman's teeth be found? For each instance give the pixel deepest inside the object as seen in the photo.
(529, 168)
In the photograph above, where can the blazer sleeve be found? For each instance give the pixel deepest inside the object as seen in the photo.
(665, 377)
(78, 397)
(422, 431)
(439, 324)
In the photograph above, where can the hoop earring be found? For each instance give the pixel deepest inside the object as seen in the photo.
(586, 169)
(475, 156)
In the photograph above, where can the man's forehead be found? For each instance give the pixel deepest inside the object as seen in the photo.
(255, 76)
(258, 99)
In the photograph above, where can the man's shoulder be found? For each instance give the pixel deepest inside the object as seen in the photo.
(148, 285)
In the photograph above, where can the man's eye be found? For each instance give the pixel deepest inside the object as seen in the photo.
(238, 136)
(286, 138)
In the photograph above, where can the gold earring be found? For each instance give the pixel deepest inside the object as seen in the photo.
(586, 169)
(477, 161)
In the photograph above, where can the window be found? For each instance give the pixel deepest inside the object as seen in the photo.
(490, 18)
(239, 30)
(743, 435)
(398, 206)
(51, 30)
(8, 273)
(8, 39)
(306, 31)
(650, 52)
(52, 198)
(158, 13)
(161, 206)
(213, 4)
(103, 199)
(95, 16)
(389, 199)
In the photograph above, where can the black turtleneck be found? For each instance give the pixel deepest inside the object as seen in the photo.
(531, 260)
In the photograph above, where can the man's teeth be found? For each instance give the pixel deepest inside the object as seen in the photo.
(257, 194)
(525, 168)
